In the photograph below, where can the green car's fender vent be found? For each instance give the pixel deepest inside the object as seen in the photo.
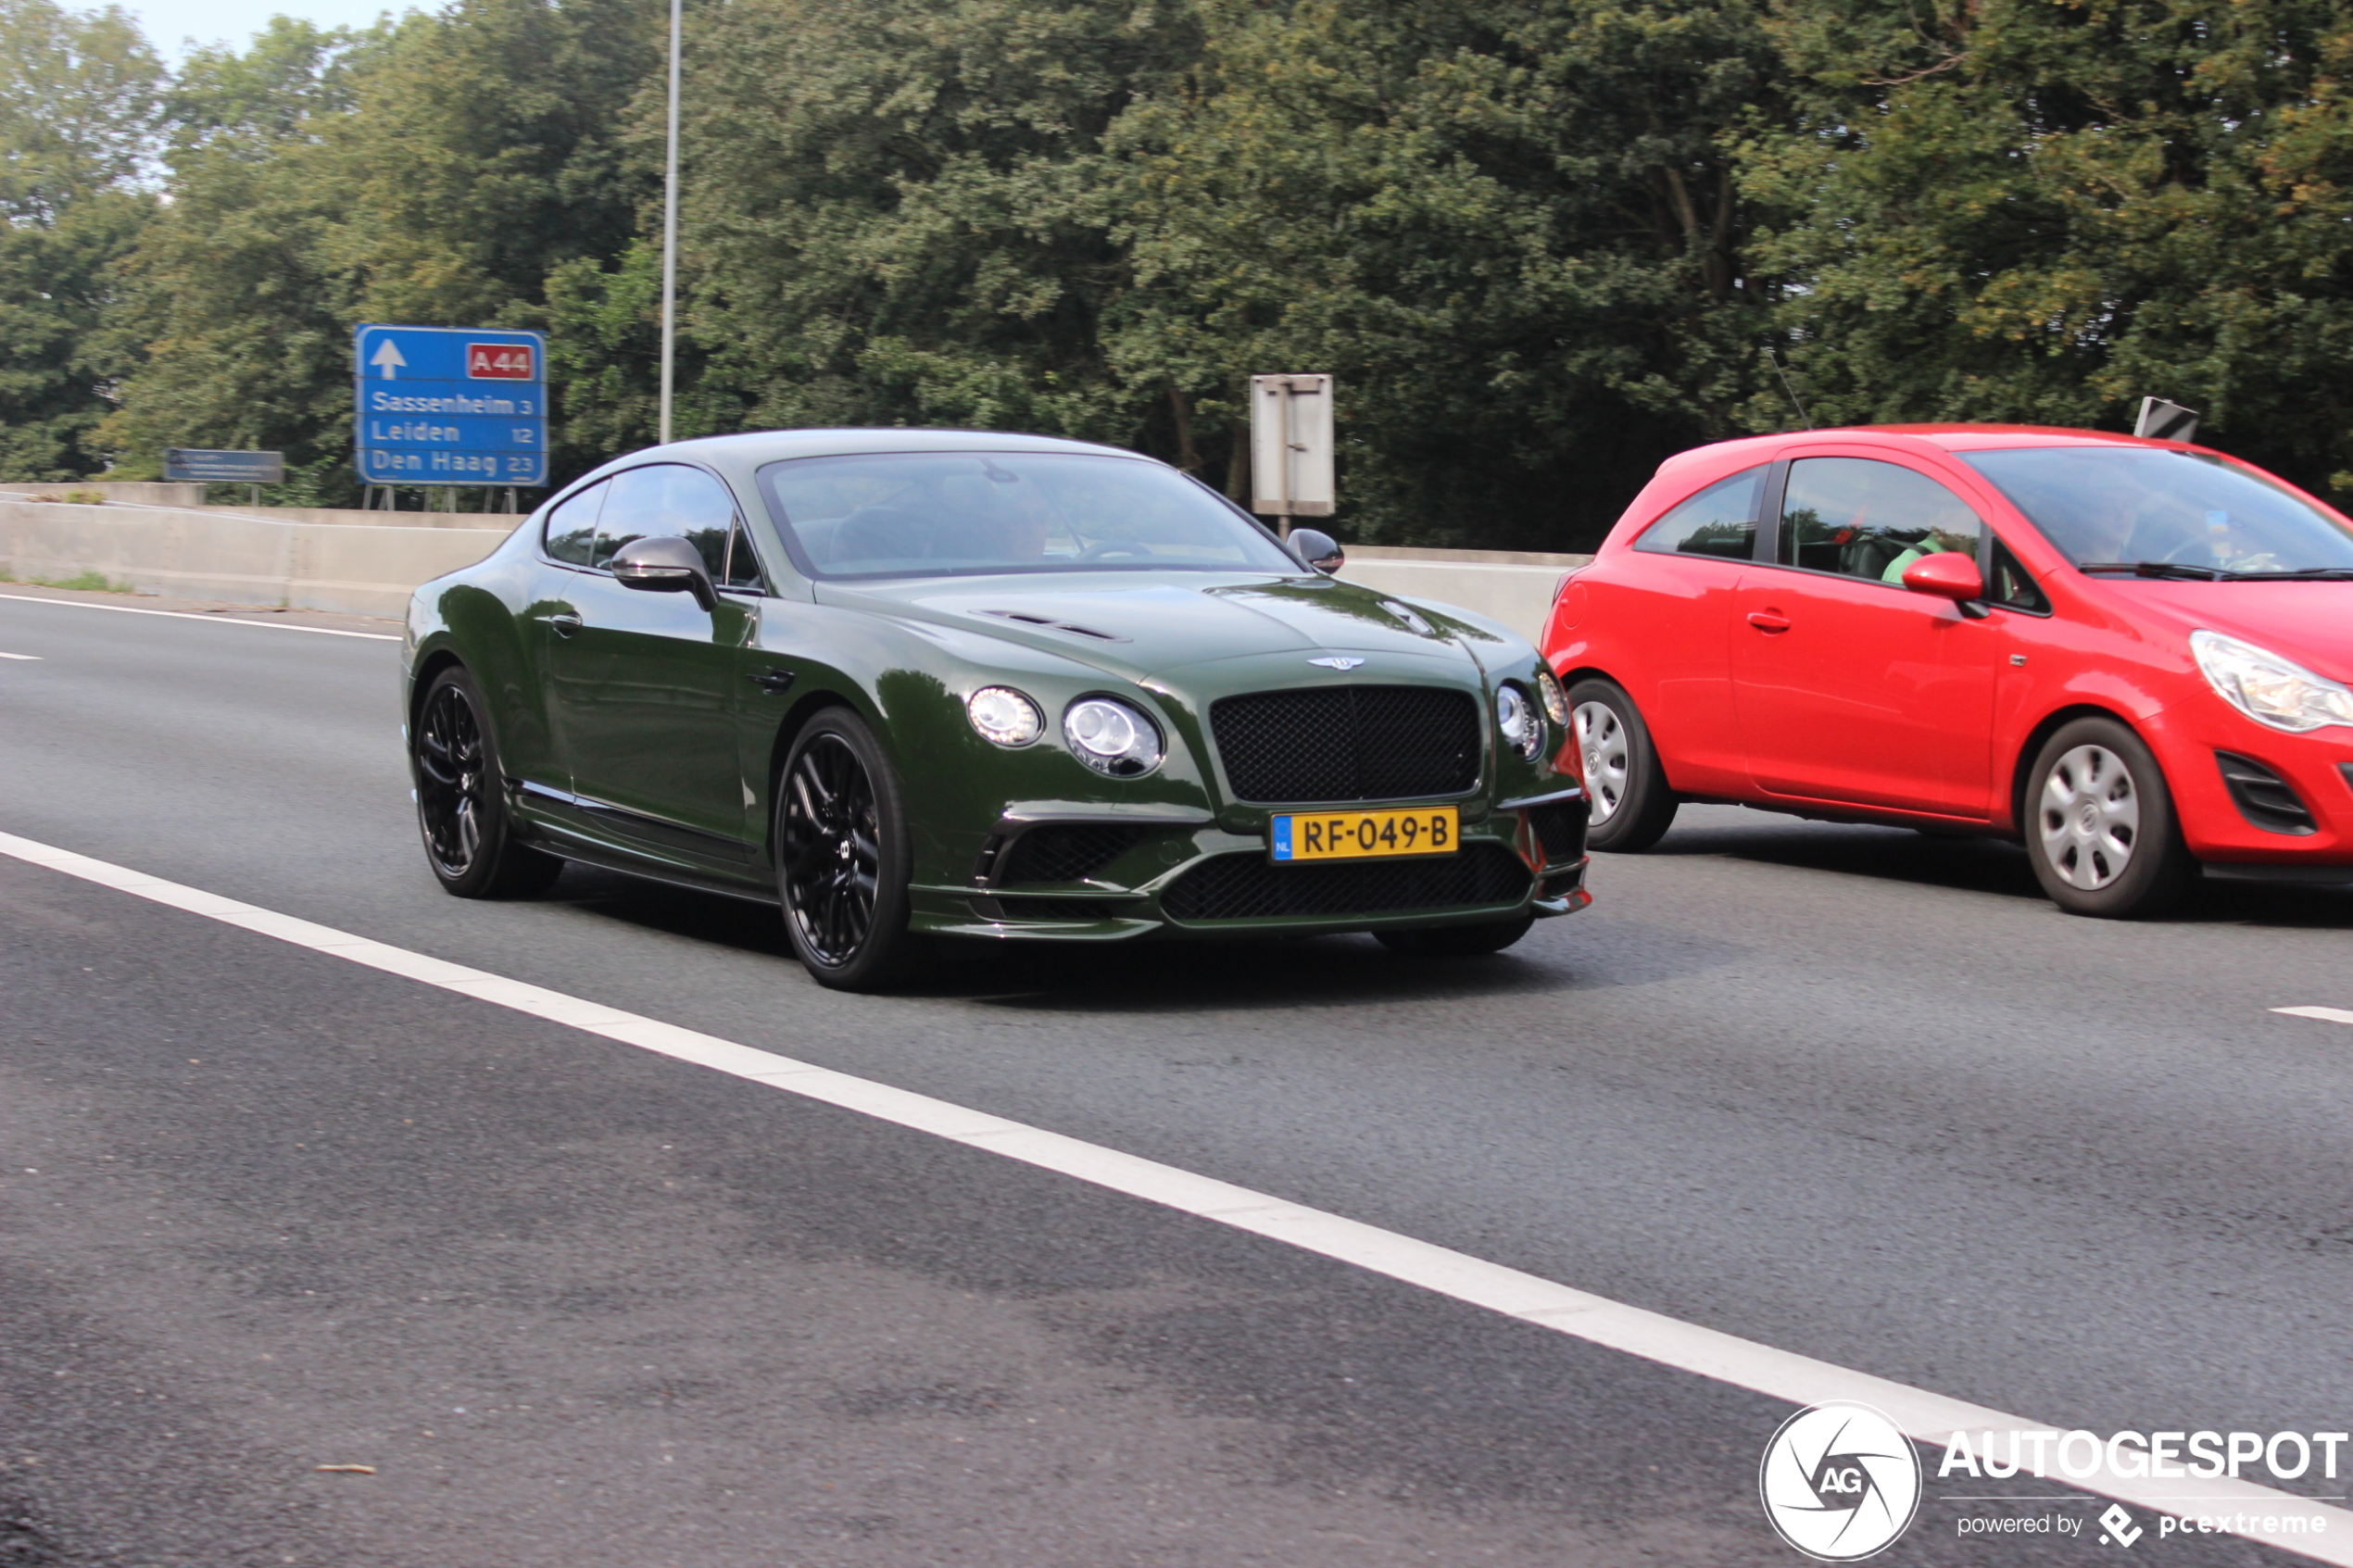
(1348, 743)
(1064, 852)
(1249, 886)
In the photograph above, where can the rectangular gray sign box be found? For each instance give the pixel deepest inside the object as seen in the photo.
(187, 464)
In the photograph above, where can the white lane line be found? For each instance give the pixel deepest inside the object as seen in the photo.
(2327, 1015)
(191, 615)
(28, 658)
(1781, 1374)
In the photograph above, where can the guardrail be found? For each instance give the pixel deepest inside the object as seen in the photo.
(365, 564)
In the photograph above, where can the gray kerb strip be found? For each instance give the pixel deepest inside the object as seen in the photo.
(1930, 1417)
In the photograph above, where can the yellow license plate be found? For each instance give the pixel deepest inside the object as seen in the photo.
(1364, 836)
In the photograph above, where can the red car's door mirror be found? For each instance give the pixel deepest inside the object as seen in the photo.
(1948, 575)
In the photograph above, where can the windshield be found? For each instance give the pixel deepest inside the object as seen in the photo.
(2142, 507)
(927, 514)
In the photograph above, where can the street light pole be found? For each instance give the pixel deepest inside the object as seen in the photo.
(670, 235)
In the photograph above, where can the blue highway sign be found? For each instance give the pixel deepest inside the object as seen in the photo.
(450, 405)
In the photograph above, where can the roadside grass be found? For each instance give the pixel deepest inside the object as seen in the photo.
(85, 581)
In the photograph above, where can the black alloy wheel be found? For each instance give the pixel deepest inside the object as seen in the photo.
(470, 840)
(842, 855)
(1626, 790)
(1459, 941)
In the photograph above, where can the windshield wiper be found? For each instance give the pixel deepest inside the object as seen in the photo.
(2155, 569)
(2218, 574)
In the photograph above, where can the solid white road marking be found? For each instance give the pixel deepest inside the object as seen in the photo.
(2327, 1015)
(1781, 1374)
(28, 658)
(192, 615)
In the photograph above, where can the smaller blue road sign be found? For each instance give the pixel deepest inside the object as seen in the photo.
(450, 405)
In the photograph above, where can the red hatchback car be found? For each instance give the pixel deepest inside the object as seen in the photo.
(2132, 655)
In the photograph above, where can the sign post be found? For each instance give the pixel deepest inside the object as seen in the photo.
(450, 405)
(1290, 447)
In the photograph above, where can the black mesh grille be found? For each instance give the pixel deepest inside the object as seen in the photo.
(1065, 852)
(1348, 743)
(1560, 828)
(1251, 887)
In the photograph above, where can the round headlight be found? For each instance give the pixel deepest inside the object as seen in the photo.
(1523, 727)
(1005, 716)
(1111, 737)
(1555, 701)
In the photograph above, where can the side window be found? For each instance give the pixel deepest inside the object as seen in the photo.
(743, 565)
(1719, 521)
(572, 526)
(668, 500)
(1861, 518)
(2012, 587)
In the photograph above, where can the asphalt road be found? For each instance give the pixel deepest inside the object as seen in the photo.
(1848, 1092)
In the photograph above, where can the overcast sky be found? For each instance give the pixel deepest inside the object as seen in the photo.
(168, 23)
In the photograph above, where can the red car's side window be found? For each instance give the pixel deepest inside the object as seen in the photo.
(1861, 518)
(2009, 586)
(1721, 520)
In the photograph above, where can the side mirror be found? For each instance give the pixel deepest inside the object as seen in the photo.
(1952, 575)
(1318, 549)
(665, 565)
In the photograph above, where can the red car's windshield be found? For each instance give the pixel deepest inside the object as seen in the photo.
(2149, 509)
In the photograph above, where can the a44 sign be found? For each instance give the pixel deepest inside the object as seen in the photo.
(450, 405)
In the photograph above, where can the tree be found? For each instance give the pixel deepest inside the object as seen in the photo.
(2031, 212)
(899, 211)
(78, 97)
(1506, 227)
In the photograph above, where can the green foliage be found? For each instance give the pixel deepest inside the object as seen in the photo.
(898, 211)
(2032, 212)
(1540, 243)
(78, 98)
(1504, 225)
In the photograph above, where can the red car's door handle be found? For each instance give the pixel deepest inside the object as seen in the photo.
(1765, 621)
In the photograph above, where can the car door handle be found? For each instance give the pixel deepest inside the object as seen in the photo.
(1767, 621)
(775, 682)
(565, 625)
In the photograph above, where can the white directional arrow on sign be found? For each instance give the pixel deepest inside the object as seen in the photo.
(387, 360)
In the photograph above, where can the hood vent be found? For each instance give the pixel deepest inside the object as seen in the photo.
(1048, 624)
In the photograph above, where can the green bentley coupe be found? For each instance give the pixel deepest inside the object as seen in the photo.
(917, 684)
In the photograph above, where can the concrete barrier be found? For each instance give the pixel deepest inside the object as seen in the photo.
(145, 492)
(365, 563)
(1512, 587)
(242, 557)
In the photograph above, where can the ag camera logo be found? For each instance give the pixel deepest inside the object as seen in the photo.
(1840, 1483)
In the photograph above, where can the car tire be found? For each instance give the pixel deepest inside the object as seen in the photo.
(2100, 826)
(1458, 941)
(842, 854)
(1625, 787)
(470, 836)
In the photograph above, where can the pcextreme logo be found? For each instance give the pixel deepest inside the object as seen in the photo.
(1840, 1483)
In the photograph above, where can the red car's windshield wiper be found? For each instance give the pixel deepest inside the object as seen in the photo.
(2154, 568)
(2218, 574)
